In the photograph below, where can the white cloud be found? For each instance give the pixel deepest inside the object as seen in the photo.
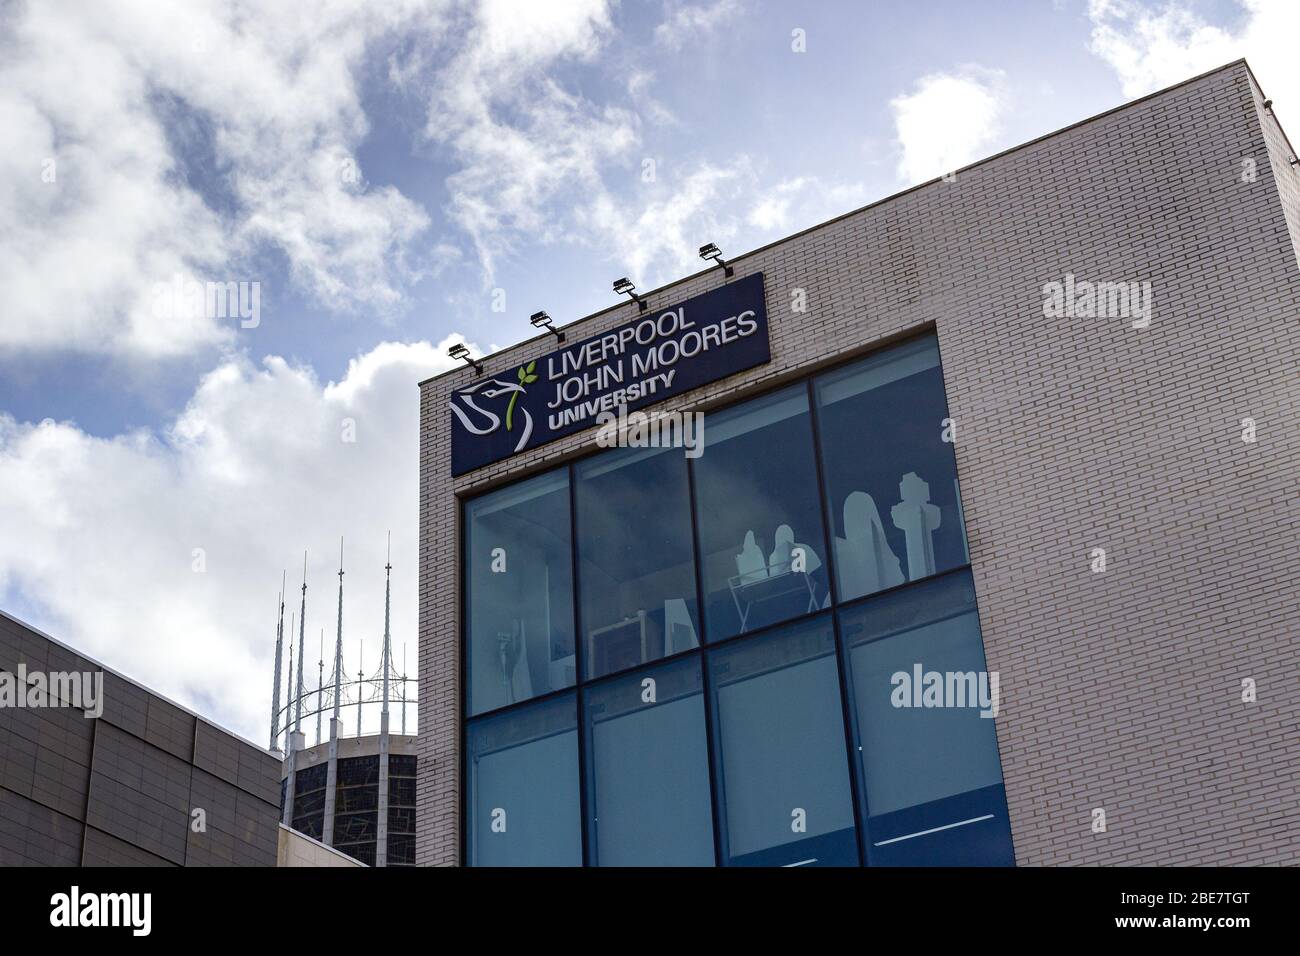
(539, 162)
(801, 202)
(948, 121)
(772, 211)
(100, 533)
(687, 22)
(516, 34)
(655, 110)
(1151, 46)
(525, 145)
(120, 97)
(658, 237)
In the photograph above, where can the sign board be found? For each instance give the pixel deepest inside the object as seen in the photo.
(658, 354)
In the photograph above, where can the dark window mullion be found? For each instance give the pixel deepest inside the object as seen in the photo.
(462, 709)
(579, 674)
(857, 786)
(715, 793)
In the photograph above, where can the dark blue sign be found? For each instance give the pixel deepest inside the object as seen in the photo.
(658, 354)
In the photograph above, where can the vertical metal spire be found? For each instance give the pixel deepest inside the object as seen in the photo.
(361, 663)
(332, 767)
(381, 829)
(302, 646)
(288, 701)
(403, 688)
(293, 738)
(338, 643)
(388, 648)
(320, 684)
(279, 654)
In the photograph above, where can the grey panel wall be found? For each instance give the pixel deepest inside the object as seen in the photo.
(233, 761)
(1122, 690)
(119, 790)
(141, 794)
(34, 835)
(45, 756)
(239, 831)
(102, 849)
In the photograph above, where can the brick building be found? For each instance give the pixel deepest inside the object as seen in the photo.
(1037, 418)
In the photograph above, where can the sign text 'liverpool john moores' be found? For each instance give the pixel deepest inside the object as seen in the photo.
(658, 354)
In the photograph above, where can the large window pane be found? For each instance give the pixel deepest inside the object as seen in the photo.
(928, 755)
(520, 584)
(782, 767)
(636, 558)
(522, 770)
(761, 540)
(891, 479)
(648, 769)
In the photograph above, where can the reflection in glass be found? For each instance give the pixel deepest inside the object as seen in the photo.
(648, 769)
(762, 547)
(782, 768)
(929, 759)
(891, 479)
(637, 565)
(519, 578)
(522, 769)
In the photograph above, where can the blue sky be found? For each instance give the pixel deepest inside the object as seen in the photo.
(385, 175)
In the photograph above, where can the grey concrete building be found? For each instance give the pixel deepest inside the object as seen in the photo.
(121, 789)
(355, 826)
(1127, 495)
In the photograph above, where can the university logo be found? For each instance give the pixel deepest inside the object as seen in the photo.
(643, 361)
(480, 420)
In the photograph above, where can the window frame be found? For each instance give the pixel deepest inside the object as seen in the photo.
(826, 617)
(464, 620)
(580, 612)
(857, 760)
(707, 636)
(501, 715)
(590, 781)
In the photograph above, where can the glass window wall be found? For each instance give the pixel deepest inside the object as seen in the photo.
(804, 730)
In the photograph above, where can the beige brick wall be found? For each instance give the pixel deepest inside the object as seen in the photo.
(1120, 690)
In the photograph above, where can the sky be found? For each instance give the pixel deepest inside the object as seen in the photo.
(383, 180)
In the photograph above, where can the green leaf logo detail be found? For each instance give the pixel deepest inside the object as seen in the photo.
(526, 377)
